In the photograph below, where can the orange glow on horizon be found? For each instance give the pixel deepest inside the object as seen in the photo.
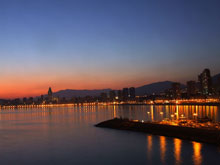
(9, 91)
(18, 86)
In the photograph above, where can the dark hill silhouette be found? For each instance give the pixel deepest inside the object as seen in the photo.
(69, 93)
(156, 88)
(216, 79)
(143, 90)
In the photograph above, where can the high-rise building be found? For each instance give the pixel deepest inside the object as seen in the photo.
(119, 95)
(205, 81)
(50, 94)
(132, 92)
(104, 97)
(176, 90)
(191, 88)
(125, 94)
(24, 100)
(112, 95)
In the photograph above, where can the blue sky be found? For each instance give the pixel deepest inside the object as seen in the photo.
(90, 44)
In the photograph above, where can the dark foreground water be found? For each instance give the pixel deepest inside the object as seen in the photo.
(68, 136)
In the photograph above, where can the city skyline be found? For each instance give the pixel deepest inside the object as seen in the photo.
(191, 84)
(109, 82)
(112, 44)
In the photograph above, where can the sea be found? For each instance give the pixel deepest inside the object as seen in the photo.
(67, 135)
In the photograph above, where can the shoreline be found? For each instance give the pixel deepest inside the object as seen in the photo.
(185, 133)
(102, 104)
(196, 104)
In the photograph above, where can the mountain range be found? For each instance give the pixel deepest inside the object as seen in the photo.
(156, 88)
(216, 79)
(140, 91)
(69, 93)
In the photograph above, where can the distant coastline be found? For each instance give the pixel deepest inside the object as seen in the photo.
(193, 104)
(100, 104)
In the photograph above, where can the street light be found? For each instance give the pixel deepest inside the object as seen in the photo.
(195, 115)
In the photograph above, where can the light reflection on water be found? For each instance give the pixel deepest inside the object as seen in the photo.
(158, 113)
(162, 148)
(197, 157)
(149, 146)
(58, 135)
(177, 150)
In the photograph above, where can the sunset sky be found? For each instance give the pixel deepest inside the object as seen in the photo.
(95, 44)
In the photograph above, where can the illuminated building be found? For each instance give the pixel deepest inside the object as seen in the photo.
(112, 95)
(205, 81)
(24, 100)
(132, 92)
(176, 90)
(119, 95)
(125, 94)
(30, 100)
(42, 97)
(50, 94)
(104, 97)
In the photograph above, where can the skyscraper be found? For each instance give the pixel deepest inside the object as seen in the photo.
(125, 94)
(205, 81)
(132, 92)
(112, 95)
(176, 90)
(50, 94)
(119, 95)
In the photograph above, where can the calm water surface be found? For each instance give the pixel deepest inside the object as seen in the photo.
(67, 136)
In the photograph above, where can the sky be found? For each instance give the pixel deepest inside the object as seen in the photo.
(96, 44)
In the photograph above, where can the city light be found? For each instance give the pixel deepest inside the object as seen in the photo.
(195, 114)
